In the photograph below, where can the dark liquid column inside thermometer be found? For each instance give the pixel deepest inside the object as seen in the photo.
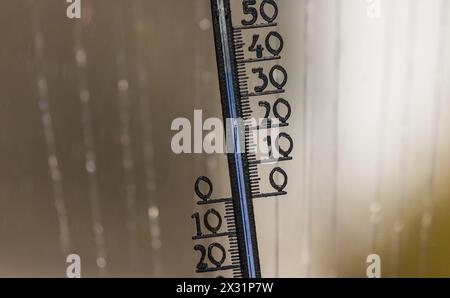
(237, 161)
(242, 256)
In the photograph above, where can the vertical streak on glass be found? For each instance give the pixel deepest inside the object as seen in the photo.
(201, 25)
(406, 121)
(375, 205)
(89, 147)
(202, 73)
(47, 123)
(145, 108)
(427, 211)
(336, 158)
(124, 109)
(307, 158)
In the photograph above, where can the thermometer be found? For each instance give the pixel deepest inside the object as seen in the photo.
(248, 53)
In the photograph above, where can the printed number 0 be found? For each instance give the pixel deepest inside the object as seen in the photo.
(198, 192)
(278, 187)
(262, 11)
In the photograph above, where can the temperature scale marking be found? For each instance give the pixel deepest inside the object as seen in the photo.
(238, 222)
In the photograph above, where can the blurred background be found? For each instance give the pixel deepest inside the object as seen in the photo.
(86, 108)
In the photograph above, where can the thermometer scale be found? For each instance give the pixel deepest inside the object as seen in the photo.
(247, 73)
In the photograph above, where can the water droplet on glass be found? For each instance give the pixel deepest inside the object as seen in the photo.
(204, 24)
(123, 85)
(101, 262)
(153, 212)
